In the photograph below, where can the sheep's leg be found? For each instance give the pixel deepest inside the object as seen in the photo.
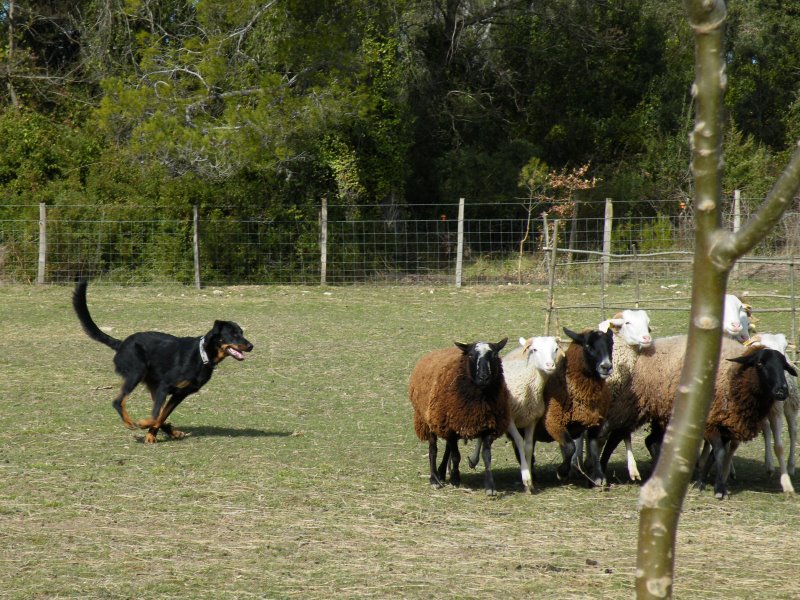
(523, 464)
(442, 471)
(613, 440)
(791, 422)
(767, 426)
(722, 461)
(577, 458)
(529, 449)
(653, 440)
(567, 446)
(455, 460)
(703, 458)
(473, 458)
(776, 425)
(488, 480)
(597, 477)
(633, 470)
(432, 452)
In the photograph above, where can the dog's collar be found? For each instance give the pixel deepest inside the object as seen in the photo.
(202, 347)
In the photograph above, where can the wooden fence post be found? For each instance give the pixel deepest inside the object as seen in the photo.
(546, 230)
(460, 245)
(551, 283)
(737, 220)
(607, 225)
(196, 244)
(323, 242)
(42, 243)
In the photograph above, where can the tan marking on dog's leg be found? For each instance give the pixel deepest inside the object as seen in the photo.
(124, 414)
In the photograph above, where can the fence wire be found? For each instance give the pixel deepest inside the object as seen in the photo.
(140, 244)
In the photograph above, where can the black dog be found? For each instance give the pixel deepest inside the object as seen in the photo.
(168, 365)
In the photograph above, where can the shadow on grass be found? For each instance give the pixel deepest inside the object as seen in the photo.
(211, 430)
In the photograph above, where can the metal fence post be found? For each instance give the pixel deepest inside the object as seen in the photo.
(196, 244)
(460, 245)
(323, 242)
(42, 243)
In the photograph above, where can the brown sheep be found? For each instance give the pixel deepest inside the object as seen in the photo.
(460, 393)
(748, 382)
(577, 398)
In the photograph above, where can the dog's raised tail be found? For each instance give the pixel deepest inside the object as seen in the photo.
(88, 324)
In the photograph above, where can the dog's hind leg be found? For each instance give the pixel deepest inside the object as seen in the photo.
(128, 385)
(159, 395)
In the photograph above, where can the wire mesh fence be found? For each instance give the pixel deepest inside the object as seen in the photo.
(500, 243)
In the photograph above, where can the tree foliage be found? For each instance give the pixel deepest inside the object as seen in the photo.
(380, 106)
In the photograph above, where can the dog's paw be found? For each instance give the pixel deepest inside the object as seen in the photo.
(175, 434)
(150, 438)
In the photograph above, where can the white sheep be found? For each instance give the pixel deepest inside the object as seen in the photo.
(736, 318)
(772, 424)
(526, 373)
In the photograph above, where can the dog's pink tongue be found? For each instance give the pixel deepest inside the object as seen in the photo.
(235, 353)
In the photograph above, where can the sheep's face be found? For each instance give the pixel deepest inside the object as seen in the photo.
(542, 352)
(597, 347)
(736, 318)
(634, 328)
(484, 361)
(771, 367)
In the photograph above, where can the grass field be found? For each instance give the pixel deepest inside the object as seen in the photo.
(302, 476)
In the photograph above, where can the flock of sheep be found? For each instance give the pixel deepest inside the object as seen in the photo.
(609, 382)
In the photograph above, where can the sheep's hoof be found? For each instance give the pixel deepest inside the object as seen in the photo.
(455, 480)
(529, 489)
(721, 495)
(472, 463)
(491, 492)
(436, 483)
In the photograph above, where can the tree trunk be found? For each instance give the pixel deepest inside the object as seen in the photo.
(716, 250)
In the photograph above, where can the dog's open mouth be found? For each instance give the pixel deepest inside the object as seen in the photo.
(234, 353)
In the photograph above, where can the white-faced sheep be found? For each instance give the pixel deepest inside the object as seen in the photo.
(744, 394)
(631, 330)
(772, 424)
(736, 318)
(526, 373)
(460, 393)
(577, 399)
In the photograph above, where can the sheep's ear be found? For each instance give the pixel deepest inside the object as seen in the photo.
(575, 337)
(523, 342)
(788, 367)
(748, 309)
(499, 345)
(465, 348)
(748, 360)
(604, 325)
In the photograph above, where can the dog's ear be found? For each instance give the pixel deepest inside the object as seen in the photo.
(217, 327)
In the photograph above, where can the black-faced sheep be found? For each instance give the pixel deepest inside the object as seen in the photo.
(743, 395)
(526, 370)
(788, 409)
(631, 330)
(577, 399)
(460, 393)
(747, 387)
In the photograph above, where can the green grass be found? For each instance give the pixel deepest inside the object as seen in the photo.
(302, 477)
